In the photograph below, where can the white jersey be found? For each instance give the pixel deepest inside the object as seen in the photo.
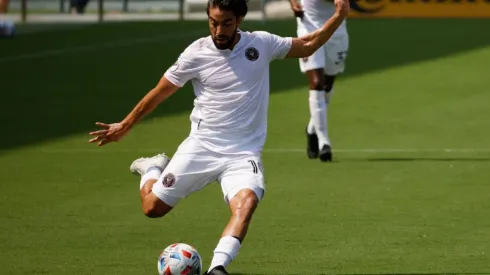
(317, 12)
(231, 89)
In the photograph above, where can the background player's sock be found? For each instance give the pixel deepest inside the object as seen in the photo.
(225, 252)
(151, 173)
(318, 111)
(311, 127)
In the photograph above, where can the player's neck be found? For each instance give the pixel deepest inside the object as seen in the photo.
(237, 38)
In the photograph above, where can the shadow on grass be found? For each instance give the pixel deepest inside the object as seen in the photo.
(64, 92)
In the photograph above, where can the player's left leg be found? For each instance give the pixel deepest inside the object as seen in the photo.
(242, 207)
(243, 186)
(316, 133)
(313, 66)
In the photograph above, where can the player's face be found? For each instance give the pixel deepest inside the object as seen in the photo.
(223, 26)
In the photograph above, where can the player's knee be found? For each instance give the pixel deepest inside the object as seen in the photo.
(246, 206)
(154, 210)
(317, 84)
(317, 80)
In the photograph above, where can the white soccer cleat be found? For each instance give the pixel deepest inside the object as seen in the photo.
(141, 165)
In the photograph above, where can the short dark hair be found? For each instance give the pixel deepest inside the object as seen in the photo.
(238, 7)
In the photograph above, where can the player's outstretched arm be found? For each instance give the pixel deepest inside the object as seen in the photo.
(307, 45)
(116, 131)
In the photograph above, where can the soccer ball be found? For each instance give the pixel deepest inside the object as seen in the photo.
(179, 259)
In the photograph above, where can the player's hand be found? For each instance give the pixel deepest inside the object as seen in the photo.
(297, 9)
(110, 133)
(342, 7)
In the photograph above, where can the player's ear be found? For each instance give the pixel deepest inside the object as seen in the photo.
(239, 20)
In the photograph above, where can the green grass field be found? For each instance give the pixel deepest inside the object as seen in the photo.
(408, 193)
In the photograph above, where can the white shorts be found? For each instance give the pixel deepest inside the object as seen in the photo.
(331, 56)
(193, 167)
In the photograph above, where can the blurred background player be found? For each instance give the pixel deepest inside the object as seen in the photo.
(78, 6)
(7, 28)
(321, 69)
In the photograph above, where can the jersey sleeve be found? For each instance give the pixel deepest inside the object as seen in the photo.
(187, 66)
(181, 72)
(278, 46)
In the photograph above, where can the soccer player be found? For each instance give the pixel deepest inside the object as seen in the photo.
(321, 69)
(229, 71)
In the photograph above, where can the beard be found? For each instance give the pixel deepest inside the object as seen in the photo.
(227, 41)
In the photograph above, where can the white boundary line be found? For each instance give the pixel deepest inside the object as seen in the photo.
(272, 150)
(94, 47)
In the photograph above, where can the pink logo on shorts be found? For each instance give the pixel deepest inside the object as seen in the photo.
(168, 180)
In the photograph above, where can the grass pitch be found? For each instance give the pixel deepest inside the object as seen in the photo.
(408, 192)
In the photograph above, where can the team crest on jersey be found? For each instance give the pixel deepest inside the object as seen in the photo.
(168, 180)
(252, 54)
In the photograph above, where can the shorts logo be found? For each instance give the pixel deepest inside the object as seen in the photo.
(305, 59)
(168, 180)
(252, 54)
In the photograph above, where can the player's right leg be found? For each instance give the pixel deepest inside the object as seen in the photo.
(325, 153)
(150, 170)
(316, 134)
(191, 169)
(335, 55)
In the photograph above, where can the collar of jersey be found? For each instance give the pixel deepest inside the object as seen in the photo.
(238, 45)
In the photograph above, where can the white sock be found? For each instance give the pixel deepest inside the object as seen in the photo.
(311, 127)
(318, 112)
(225, 252)
(151, 173)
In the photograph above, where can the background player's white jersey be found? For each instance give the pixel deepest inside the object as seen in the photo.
(231, 89)
(317, 12)
(331, 56)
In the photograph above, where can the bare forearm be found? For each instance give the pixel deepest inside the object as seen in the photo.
(144, 107)
(307, 45)
(319, 37)
(114, 132)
